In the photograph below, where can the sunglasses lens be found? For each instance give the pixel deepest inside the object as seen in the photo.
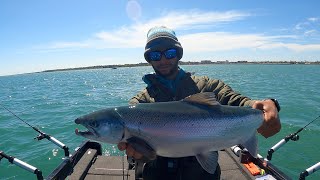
(154, 56)
(170, 53)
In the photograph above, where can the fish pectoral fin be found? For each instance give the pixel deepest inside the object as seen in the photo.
(252, 145)
(208, 161)
(205, 98)
(142, 147)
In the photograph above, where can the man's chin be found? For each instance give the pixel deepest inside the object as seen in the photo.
(166, 71)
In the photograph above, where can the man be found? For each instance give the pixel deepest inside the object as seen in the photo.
(170, 83)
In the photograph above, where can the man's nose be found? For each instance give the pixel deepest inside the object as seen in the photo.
(163, 58)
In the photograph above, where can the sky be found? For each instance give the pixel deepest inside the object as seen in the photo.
(38, 35)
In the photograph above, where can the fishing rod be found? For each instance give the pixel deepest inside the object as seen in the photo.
(42, 135)
(293, 137)
(309, 171)
(22, 164)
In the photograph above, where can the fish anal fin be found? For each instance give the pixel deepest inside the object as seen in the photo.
(252, 145)
(142, 147)
(204, 98)
(208, 161)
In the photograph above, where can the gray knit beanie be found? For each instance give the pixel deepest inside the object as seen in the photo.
(161, 38)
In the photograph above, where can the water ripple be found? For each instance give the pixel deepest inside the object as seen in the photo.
(51, 102)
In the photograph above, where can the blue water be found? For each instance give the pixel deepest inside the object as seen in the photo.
(51, 102)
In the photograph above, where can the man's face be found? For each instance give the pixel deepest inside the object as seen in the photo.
(164, 61)
(166, 67)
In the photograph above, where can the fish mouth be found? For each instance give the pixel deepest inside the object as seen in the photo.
(83, 133)
(86, 133)
(89, 132)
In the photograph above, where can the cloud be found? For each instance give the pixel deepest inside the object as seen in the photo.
(309, 27)
(291, 46)
(199, 38)
(221, 41)
(313, 19)
(125, 37)
(311, 32)
(135, 35)
(194, 19)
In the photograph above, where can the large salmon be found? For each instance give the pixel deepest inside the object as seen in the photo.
(195, 126)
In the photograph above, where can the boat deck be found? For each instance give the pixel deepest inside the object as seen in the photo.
(116, 167)
(88, 163)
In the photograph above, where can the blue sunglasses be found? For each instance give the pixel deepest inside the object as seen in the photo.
(156, 55)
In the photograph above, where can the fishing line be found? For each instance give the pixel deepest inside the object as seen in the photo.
(307, 125)
(42, 135)
(36, 129)
(293, 137)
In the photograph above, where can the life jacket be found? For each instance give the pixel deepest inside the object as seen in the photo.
(184, 87)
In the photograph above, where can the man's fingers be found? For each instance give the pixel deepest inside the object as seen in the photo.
(122, 146)
(271, 124)
(130, 151)
(258, 105)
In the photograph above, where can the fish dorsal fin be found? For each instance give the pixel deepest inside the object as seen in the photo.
(205, 98)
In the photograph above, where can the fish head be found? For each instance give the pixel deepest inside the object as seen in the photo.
(104, 126)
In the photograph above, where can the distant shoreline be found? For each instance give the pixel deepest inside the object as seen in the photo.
(188, 63)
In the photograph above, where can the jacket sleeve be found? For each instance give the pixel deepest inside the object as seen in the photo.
(224, 93)
(141, 97)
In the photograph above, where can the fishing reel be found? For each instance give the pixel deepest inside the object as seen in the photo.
(42, 136)
(293, 137)
(54, 140)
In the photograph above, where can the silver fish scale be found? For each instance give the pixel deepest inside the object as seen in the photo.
(187, 128)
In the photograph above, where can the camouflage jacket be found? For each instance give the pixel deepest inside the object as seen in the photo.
(189, 85)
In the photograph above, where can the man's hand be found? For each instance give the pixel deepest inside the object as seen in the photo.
(129, 150)
(271, 124)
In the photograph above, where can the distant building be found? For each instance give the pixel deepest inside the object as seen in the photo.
(206, 62)
(223, 62)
